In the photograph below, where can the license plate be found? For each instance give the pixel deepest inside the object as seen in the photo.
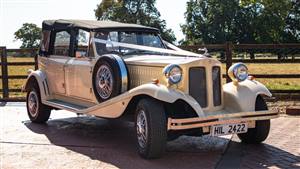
(225, 129)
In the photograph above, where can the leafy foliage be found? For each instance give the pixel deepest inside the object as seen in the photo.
(241, 21)
(29, 34)
(292, 27)
(141, 12)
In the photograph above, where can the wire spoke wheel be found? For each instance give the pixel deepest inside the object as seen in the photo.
(151, 128)
(36, 110)
(142, 128)
(104, 82)
(33, 103)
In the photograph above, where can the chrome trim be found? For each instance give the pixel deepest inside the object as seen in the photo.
(104, 82)
(124, 72)
(168, 69)
(46, 83)
(231, 70)
(142, 128)
(44, 88)
(33, 103)
(197, 122)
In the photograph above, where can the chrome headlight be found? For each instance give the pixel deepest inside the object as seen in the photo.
(238, 72)
(173, 73)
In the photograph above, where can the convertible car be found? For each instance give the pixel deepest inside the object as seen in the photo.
(110, 70)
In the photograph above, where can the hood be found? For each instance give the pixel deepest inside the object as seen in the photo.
(160, 60)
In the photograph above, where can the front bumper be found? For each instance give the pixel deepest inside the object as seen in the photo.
(222, 117)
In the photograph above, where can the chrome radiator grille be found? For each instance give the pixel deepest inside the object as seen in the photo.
(216, 79)
(198, 85)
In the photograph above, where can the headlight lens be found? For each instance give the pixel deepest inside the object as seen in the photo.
(173, 73)
(238, 72)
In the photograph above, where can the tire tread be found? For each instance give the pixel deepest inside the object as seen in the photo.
(157, 128)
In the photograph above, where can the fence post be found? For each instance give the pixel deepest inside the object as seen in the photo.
(228, 59)
(35, 55)
(4, 73)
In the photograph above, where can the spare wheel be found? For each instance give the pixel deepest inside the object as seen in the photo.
(110, 77)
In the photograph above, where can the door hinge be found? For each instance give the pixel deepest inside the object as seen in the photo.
(91, 90)
(63, 85)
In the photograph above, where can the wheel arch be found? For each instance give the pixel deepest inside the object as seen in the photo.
(179, 108)
(31, 82)
(38, 79)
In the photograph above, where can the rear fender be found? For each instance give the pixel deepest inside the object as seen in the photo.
(40, 78)
(242, 97)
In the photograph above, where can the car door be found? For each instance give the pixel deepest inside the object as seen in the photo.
(55, 64)
(78, 70)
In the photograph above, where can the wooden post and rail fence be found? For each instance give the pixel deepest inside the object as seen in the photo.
(228, 49)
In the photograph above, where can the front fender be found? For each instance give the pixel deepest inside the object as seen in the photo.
(118, 104)
(40, 78)
(242, 97)
(169, 95)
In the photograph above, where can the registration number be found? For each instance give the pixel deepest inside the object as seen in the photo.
(225, 129)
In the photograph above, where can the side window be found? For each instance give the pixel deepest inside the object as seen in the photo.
(44, 47)
(108, 47)
(101, 47)
(62, 43)
(82, 39)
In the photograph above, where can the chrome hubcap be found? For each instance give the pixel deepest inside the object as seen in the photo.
(142, 128)
(33, 103)
(104, 82)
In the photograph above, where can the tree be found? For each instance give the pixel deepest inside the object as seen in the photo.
(241, 21)
(292, 28)
(210, 21)
(141, 12)
(270, 19)
(29, 34)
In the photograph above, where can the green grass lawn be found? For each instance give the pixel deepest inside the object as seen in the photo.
(276, 84)
(272, 84)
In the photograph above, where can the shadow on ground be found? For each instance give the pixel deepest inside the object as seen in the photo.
(112, 141)
(258, 156)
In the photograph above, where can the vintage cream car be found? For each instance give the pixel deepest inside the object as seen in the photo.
(110, 70)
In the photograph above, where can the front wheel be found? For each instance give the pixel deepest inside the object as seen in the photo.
(151, 128)
(262, 127)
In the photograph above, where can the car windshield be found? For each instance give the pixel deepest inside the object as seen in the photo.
(105, 42)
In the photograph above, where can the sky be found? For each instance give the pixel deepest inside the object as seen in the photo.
(13, 13)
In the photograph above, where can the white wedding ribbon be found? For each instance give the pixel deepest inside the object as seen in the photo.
(148, 48)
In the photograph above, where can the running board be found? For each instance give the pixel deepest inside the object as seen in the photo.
(65, 105)
(111, 108)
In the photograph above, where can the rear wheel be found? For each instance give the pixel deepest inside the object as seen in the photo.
(151, 128)
(37, 112)
(262, 127)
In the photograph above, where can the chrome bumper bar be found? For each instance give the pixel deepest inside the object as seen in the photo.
(211, 120)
